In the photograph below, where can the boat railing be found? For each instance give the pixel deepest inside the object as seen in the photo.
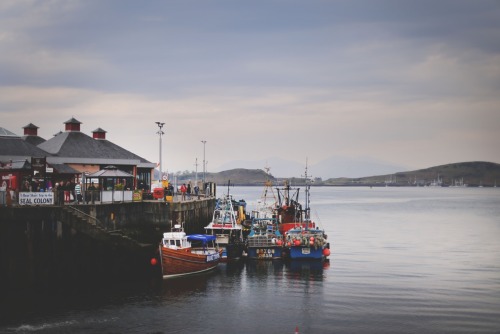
(261, 241)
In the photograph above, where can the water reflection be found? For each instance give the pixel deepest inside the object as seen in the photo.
(233, 268)
(264, 268)
(187, 285)
(308, 270)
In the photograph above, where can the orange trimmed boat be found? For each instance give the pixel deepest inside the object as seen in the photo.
(290, 212)
(182, 254)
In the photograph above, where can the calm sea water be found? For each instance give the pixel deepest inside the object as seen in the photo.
(404, 260)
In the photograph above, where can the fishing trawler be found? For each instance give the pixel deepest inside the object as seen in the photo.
(304, 240)
(226, 226)
(182, 254)
(265, 242)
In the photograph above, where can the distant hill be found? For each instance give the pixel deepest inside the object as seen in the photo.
(330, 167)
(237, 176)
(477, 173)
(240, 176)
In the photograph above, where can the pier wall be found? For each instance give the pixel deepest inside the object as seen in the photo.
(52, 247)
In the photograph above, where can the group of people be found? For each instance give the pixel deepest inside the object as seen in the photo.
(186, 191)
(68, 191)
(65, 191)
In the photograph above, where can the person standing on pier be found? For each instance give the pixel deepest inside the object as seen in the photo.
(60, 192)
(189, 190)
(65, 187)
(55, 190)
(183, 192)
(78, 193)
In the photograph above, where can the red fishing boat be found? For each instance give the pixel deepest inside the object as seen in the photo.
(182, 254)
(289, 210)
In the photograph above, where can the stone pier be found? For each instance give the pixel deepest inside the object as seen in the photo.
(51, 246)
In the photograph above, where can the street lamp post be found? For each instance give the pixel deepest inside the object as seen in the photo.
(204, 142)
(160, 133)
(196, 173)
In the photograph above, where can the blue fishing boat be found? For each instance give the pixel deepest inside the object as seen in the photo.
(304, 242)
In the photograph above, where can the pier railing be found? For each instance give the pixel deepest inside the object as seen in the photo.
(58, 197)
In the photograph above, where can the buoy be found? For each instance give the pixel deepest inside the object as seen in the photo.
(279, 242)
(311, 243)
(326, 252)
(153, 261)
(312, 239)
(297, 243)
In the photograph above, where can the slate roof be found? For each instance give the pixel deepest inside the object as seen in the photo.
(72, 121)
(13, 147)
(6, 133)
(79, 145)
(30, 126)
(64, 169)
(33, 140)
(17, 164)
(67, 147)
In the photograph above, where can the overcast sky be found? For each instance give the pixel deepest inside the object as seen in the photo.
(411, 83)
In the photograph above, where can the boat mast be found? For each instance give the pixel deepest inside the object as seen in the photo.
(307, 216)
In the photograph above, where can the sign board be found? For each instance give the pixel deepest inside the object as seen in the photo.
(38, 165)
(31, 198)
(137, 196)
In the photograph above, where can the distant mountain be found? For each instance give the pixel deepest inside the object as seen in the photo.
(237, 176)
(339, 166)
(475, 173)
(278, 166)
(336, 166)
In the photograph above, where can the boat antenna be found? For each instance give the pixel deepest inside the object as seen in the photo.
(308, 186)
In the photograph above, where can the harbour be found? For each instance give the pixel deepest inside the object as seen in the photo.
(404, 260)
(114, 240)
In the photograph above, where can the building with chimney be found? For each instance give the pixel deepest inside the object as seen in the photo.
(69, 155)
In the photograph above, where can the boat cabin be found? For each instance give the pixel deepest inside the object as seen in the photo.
(175, 240)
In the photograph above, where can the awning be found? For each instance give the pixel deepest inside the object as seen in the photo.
(201, 237)
(109, 171)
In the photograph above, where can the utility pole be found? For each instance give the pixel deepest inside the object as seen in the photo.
(160, 133)
(196, 173)
(204, 164)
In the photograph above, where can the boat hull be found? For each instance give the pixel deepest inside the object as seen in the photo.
(265, 253)
(232, 251)
(305, 253)
(181, 262)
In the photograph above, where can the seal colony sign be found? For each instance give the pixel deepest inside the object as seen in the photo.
(41, 198)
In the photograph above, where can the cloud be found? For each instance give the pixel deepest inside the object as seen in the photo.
(413, 84)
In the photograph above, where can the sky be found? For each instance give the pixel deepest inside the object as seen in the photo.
(407, 83)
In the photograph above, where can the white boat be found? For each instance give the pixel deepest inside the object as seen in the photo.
(226, 226)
